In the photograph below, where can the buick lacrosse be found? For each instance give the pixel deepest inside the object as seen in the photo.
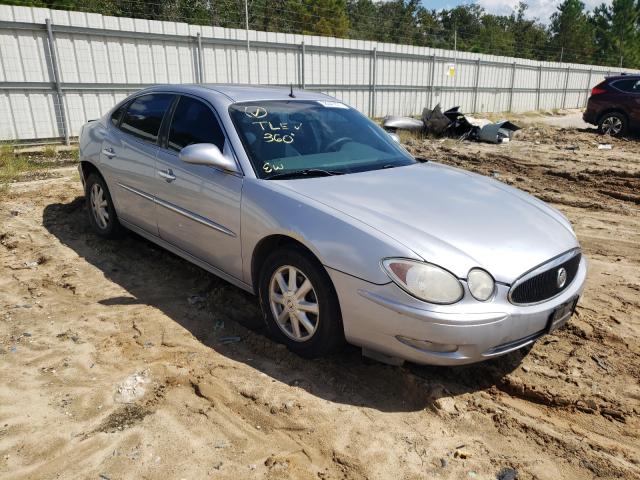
(341, 233)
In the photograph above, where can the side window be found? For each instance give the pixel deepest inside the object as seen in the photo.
(144, 116)
(117, 115)
(627, 85)
(194, 122)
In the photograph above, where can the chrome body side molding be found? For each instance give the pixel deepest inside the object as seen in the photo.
(181, 211)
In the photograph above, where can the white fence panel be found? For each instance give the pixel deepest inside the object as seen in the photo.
(101, 59)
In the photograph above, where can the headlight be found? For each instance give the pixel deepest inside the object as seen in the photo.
(424, 281)
(481, 284)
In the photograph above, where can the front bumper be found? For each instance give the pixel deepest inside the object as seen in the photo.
(374, 316)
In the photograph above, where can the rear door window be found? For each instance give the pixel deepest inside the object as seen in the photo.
(194, 122)
(144, 116)
(631, 85)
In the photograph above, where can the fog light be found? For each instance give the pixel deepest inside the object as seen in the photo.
(428, 346)
(481, 284)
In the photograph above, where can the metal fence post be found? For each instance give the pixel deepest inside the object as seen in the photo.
(372, 83)
(513, 79)
(566, 84)
(200, 59)
(57, 81)
(538, 87)
(302, 55)
(433, 79)
(475, 93)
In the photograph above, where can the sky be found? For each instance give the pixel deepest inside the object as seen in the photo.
(541, 9)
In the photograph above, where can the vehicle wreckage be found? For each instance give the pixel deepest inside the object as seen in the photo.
(452, 123)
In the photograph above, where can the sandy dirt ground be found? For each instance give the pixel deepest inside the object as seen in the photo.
(119, 360)
(567, 119)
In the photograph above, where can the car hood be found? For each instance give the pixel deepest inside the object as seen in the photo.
(449, 217)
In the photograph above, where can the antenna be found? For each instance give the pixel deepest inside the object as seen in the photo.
(291, 94)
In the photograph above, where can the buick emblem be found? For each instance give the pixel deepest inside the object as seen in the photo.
(562, 277)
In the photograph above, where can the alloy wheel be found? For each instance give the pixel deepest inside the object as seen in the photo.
(294, 303)
(99, 206)
(611, 126)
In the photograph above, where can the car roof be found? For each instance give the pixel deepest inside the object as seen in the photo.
(242, 93)
(629, 76)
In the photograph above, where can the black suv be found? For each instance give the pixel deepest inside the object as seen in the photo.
(614, 105)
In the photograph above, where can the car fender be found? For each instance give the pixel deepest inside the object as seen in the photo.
(339, 241)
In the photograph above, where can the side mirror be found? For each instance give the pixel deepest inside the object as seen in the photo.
(207, 154)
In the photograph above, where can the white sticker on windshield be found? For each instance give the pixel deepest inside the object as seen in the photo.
(329, 104)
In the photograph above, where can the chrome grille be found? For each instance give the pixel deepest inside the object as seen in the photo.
(537, 287)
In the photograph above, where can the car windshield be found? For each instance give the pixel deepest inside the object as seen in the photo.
(297, 138)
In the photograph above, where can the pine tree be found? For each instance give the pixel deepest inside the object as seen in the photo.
(321, 17)
(625, 37)
(573, 34)
(531, 38)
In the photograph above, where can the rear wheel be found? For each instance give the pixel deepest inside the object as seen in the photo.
(614, 124)
(102, 214)
(300, 304)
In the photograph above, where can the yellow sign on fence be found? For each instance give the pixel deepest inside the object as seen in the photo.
(451, 70)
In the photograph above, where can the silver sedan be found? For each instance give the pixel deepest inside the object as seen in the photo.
(342, 235)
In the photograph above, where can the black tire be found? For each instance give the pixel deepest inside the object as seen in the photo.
(613, 123)
(111, 228)
(329, 334)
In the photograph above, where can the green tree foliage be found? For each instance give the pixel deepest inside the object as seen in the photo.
(530, 38)
(572, 33)
(363, 19)
(396, 22)
(610, 35)
(321, 17)
(621, 32)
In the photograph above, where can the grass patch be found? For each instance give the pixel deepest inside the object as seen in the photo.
(407, 136)
(12, 166)
(5, 150)
(49, 151)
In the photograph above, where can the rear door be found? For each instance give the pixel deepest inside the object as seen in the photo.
(634, 112)
(128, 158)
(198, 206)
(628, 98)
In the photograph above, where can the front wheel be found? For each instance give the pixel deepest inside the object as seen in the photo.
(300, 304)
(102, 213)
(614, 124)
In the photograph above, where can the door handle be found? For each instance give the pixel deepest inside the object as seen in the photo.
(167, 175)
(108, 152)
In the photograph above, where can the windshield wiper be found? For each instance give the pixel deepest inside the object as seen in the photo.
(308, 172)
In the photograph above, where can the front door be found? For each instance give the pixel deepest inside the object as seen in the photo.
(198, 207)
